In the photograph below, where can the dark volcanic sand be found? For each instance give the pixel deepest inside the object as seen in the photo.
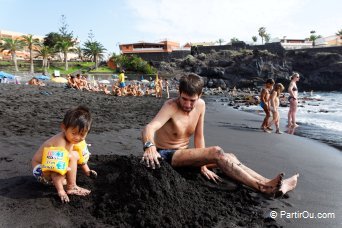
(126, 194)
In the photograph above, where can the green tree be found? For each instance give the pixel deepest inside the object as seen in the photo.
(262, 33)
(94, 50)
(220, 41)
(255, 39)
(313, 37)
(12, 46)
(65, 46)
(339, 33)
(234, 40)
(45, 52)
(267, 37)
(31, 43)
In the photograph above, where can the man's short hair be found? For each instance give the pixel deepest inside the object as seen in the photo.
(270, 81)
(191, 84)
(78, 117)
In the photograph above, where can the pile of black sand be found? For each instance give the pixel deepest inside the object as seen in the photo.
(127, 194)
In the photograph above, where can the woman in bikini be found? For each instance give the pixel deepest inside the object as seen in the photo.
(293, 99)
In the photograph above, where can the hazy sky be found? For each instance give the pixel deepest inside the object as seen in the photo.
(120, 21)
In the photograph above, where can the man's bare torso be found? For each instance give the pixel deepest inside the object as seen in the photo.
(176, 132)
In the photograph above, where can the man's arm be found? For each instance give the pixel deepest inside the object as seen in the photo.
(150, 154)
(199, 135)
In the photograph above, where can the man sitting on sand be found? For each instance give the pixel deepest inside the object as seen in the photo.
(167, 136)
(75, 127)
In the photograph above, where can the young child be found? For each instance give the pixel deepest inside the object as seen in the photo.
(265, 103)
(74, 129)
(274, 100)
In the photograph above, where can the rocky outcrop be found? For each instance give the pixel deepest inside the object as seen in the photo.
(250, 68)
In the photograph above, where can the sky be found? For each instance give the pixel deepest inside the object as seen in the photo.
(115, 22)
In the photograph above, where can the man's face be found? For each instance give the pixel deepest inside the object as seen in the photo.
(269, 85)
(186, 102)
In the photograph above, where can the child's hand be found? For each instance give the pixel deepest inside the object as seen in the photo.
(64, 197)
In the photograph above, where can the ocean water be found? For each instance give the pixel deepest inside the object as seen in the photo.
(319, 117)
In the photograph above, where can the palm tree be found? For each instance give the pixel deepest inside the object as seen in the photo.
(234, 40)
(339, 33)
(30, 42)
(65, 46)
(94, 50)
(45, 52)
(313, 37)
(262, 33)
(220, 41)
(267, 37)
(79, 52)
(255, 39)
(12, 45)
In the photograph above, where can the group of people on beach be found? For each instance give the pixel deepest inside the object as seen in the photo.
(166, 137)
(120, 87)
(270, 101)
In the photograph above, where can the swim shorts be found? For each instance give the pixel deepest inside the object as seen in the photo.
(122, 84)
(166, 154)
(290, 97)
(38, 174)
(262, 104)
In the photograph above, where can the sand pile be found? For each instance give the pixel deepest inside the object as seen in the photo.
(127, 194)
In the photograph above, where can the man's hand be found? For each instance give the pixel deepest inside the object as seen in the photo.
(210, 175)
(150, 157)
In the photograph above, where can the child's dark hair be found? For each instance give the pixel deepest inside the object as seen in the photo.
(78, 117)
(191, 84)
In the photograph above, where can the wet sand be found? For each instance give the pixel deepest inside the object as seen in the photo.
(126, 194)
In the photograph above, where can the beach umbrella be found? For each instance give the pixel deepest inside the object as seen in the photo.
(104, 82)
(59, 80)
(42, 77)
(6, 75)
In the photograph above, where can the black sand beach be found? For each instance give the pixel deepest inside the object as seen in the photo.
(126, 194)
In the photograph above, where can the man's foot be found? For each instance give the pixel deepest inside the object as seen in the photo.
(288, 185)
(295, 125)
(278, 132)
(76, 190)
(272, 186)
(63, 196)
(269, 128)
(92, 174)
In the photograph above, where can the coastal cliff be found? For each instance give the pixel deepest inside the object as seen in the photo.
(250, 68)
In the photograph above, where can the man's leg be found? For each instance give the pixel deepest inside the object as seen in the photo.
(227, 163)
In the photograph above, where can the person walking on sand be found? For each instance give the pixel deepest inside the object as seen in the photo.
(167, 85)
(293, 99)
(167, 136)
(274, 108)
(122, 83)
(265, 103)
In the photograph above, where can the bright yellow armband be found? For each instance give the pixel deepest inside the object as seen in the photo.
(55, 159)
(83, 152)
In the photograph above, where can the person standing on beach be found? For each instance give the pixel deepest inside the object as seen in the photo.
(122, 83)
(265, 103)
(167, 88)
(274, 108)
(167, 136)
(293, 99)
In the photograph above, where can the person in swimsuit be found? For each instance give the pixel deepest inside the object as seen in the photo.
(167, 137)
(274, 108)
(293, 99)
(265, 104)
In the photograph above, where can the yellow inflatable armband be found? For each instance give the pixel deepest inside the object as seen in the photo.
(83, 152)
(55, 159)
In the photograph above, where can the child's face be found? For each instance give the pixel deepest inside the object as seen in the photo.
(74, 136)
